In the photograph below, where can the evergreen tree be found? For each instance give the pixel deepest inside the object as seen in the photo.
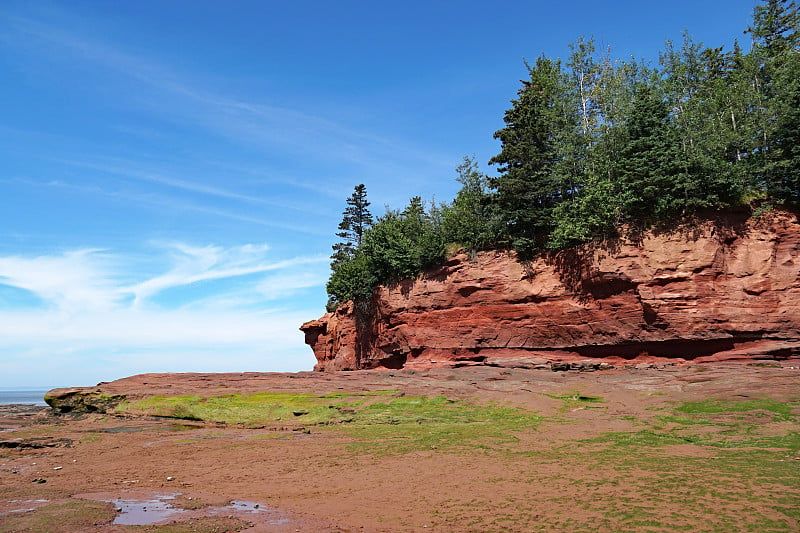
(529, 187)
(776, 43)
(786, 180)
(351, 278)
(775, 24)
(646, 165)
(356, 220)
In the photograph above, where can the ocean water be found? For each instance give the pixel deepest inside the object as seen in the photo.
(29, 396)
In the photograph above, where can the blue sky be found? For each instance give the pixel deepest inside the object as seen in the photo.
(172, 172)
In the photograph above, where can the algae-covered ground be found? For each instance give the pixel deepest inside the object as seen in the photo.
(659, 450)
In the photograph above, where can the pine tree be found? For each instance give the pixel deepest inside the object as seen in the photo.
(647, 187)
(529, 186)
(356, 220)
(786, 181)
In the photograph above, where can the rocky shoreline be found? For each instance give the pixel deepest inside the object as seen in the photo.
(452, 380)
(14, 414)
(456, 448)
(725, 289)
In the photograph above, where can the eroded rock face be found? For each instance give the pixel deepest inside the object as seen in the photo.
(725, 289)
(82, 400)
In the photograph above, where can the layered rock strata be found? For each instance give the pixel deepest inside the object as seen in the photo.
(722, 289)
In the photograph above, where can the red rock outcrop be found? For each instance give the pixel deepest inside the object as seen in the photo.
(722, 289)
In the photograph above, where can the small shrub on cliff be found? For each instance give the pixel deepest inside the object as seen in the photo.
(399, 245)
(472, 220)
(350, 280)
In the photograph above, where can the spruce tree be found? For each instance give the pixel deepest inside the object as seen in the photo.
(351, 278)
(776, 43)
(646, 169)
(356, 220)
(529, 186)
(786, 181)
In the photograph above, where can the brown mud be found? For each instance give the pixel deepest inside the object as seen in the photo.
(610, 453)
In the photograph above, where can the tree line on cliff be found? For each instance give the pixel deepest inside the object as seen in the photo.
(595, 144)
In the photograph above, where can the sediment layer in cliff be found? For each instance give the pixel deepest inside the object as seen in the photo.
(722, 289)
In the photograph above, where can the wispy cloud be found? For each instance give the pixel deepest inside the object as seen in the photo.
(93, 304)
(75, 280)
(171, 203)
(192, 264)
(92, 279)
(130, 170)
(259, 123)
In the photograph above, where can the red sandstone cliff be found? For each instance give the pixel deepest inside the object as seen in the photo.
(725, 289)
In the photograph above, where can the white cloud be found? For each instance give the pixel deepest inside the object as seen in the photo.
(194, 264)
(281, 285)
(92, 279)
(132, 170)
(130, 328)
(93, 317)
(73, 280)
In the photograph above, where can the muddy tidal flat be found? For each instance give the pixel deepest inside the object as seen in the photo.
(711, 447)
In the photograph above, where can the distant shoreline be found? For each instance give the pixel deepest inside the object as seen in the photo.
(23, 396)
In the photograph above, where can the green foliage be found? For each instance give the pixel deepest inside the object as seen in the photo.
(356, 220)
(775, 67)
(529, 186)
(594, 214)
(398, 246)
(595, 145)
(401, 244)
(351, 279)
(645, 164)
(605, 142)
(472, 219)
(786, 172)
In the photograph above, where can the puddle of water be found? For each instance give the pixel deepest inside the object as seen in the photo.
(144, 512)
(159, 508)
(246, 507)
